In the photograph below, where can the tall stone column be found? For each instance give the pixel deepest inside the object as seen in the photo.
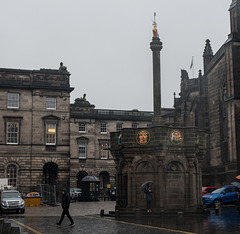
(156, 46)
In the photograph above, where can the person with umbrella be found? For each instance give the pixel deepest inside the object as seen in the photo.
(148, 196)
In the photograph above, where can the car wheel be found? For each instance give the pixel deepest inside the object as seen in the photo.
(23, 211)
(217, 203)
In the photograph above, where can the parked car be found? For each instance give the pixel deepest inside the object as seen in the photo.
(75, 193)
(12, 200)
(206, 190)
(224, 195)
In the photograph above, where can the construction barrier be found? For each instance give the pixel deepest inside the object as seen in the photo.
(32, 201)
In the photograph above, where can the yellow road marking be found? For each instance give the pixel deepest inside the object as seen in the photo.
(141, 225)
(31, 229)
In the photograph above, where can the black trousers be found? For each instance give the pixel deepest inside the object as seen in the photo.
(148, 205)
(65, 212)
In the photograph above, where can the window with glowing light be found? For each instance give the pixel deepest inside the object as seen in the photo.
(50, 134)
(104, 147)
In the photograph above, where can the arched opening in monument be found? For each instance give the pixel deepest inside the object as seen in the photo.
(175, 184)
(144, 173)
(50, 173)
(195, 185)
(123, 186)
(80, 176)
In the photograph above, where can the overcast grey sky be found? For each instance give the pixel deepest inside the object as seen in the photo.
(105, 43)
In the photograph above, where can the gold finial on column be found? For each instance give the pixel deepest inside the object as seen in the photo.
(155, 31)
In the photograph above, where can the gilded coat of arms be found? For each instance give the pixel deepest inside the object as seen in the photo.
(176, 137)
(143, 137)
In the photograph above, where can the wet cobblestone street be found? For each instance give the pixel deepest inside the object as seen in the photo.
(87, 219)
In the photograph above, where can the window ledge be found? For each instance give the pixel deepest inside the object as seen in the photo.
(51, 147)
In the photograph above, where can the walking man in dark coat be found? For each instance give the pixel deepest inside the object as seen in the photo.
(65, 207)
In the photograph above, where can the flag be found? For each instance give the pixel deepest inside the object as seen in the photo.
(191, 63)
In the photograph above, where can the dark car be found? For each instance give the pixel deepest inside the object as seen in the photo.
(206, 190)
(224, 195)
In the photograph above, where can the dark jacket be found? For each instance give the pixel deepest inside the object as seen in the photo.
(148, 192)
(65, 199)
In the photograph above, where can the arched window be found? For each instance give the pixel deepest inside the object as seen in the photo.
(12, 174)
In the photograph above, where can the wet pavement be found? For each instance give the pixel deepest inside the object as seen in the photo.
(86, 216)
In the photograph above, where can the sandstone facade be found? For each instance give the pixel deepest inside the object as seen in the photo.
(35, 129)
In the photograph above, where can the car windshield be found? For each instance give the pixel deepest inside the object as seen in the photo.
(78, 190)
(219, 190)
(203, 188)
(11, 195)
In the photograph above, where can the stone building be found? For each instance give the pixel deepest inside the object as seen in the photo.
(90, 139)
(45, 140)
(34, 127)
(211, 102)
(167, 154)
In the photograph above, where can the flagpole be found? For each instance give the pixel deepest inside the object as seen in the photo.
(193, 67)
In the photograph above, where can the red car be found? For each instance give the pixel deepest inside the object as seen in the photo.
(206, 190)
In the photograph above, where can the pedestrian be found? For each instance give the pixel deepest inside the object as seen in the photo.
(238, 201)
(65, 207)
(149, 197)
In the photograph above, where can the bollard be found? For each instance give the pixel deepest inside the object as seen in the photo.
(6, 228)
(1, 226)
(15, 230)
(102, 213)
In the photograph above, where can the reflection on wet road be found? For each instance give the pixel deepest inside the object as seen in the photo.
(226, 221)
